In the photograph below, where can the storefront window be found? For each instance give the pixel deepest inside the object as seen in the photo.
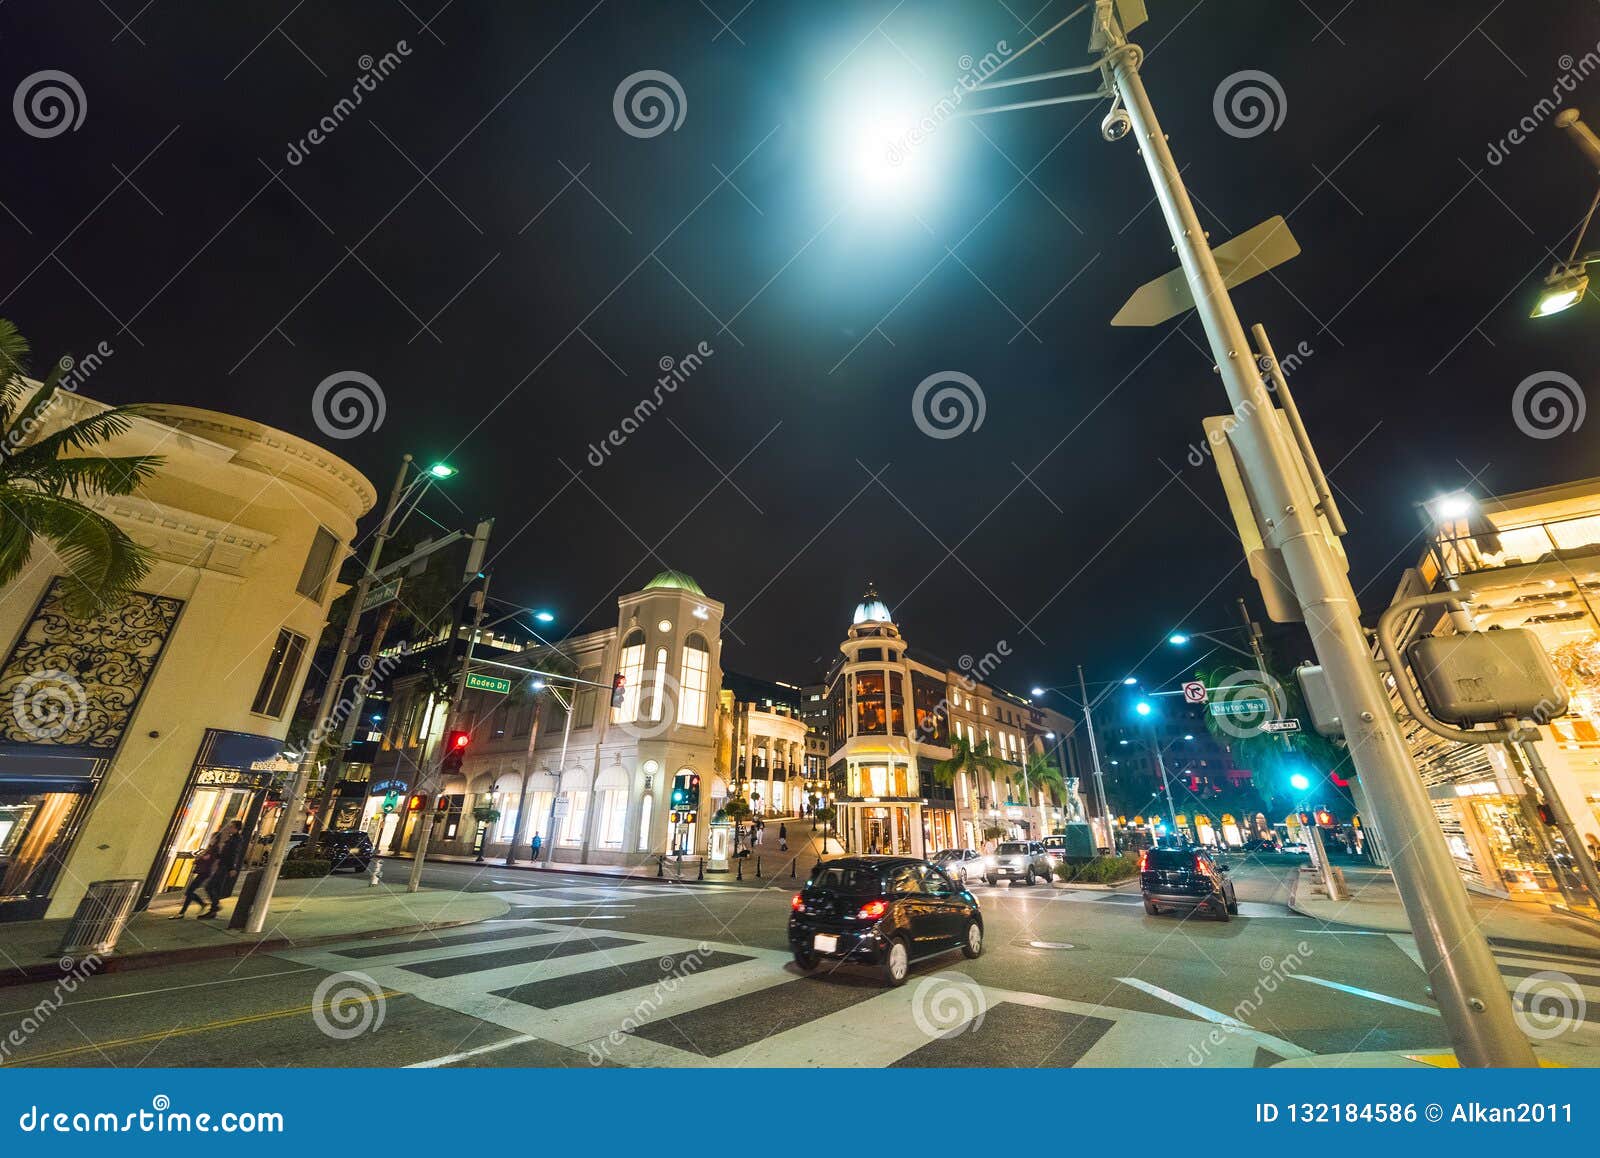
(577, 817)
(613, 806)
(927, 696)
(506, 826)
(32, 825)
(897, 704)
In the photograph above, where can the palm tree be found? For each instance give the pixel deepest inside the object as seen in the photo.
(970, 759)
(43, 485)
(1040, 773)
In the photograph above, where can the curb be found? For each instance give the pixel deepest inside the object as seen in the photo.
(52, 971)
(648, 877)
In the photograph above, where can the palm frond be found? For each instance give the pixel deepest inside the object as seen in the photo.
(85, 434)
(103, 564)
(30, 413)
(87, 476)
(14, 350)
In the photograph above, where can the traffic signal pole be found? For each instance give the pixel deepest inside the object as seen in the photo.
(425, 825)
(1471, 993)
(294, 801)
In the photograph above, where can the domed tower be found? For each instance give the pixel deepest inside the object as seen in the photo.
(874, 735)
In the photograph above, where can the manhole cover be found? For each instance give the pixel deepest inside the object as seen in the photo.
(1050, 945)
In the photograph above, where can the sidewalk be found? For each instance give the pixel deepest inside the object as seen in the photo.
(304, 912)
(1375, 904)
(775, 867)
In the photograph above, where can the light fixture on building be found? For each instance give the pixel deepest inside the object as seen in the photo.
(1564, 288)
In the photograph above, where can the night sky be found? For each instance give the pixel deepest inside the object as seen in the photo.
(482, 238)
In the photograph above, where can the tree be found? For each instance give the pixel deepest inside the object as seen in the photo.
(1042, 773)
(46, 478)
(826, 816)
(969, 759)
(737, 809)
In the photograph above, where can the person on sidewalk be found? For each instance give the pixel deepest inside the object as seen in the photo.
(220, 884)
(205, 862)
(534, 847)
(783, 837)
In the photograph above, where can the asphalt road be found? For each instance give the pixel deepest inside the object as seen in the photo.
(593, 971)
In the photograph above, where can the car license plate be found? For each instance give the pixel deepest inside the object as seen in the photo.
(825, 943)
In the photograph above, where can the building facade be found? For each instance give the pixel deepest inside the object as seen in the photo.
(1530, 560)
(127, 740)
(894, 716)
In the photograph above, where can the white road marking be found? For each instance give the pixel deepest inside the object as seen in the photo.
(452, 1058)
(1367, 993)
(592, 917)
(1202, 1011)
(164, 989)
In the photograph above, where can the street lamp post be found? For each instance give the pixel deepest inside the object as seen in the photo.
(295, 800)
(1469, 987)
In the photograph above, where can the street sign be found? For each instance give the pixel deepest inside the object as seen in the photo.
(1194, 692)
(1241, 708)
(381, 594)
(563, 805)
(489, 683)
(1249, 255)
(1281, 726)
(391, 802)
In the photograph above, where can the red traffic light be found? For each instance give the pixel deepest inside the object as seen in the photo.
(459, 739)
(619, 685)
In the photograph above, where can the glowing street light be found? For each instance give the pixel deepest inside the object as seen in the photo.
(1037, 692)
(1143, 707)
(442, 470)
(1299, 782)
(1564, 288)
(1178, 640)
(544, 617)
(1130, 682)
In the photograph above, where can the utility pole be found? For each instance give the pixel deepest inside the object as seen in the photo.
(1094, 756)
(1166, 785)
(1471, 993)
(294, 802)
(561, 771)
(425, 822)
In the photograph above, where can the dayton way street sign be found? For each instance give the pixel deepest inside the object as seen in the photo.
(1240, 707)
(489, 683)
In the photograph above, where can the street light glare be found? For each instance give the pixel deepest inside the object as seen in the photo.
(1453, 506)
(1300, 782)
(1143, 708)
(1038, 691)
(442, 470)
(1563, 289)
(1178, 640)
(544, 617)
(1130, 682)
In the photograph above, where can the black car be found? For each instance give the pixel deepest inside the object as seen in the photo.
(352, 850)
(960, 863)
(1185, 879)
(881, 911)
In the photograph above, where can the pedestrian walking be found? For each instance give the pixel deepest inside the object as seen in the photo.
(205, 861)
(534, 846)
(220, 884)
(755, 835)
(783, 838)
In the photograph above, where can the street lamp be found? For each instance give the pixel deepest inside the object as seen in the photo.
(1177, 639)
(1564, 288)
(1300, 782)
(1143, 707)
(544, 617)
(442, 470)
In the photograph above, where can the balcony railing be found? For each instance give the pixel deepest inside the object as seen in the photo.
(1573, 542)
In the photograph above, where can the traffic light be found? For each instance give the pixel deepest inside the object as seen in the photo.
(694, 793)
(686, 793)
(455, 748)
(619, 687)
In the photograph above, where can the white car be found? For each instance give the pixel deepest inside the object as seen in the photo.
(961, 863)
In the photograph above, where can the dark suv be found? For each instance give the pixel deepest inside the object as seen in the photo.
(351, 850)
(1185, 878)
(881, 911)
(1018, 860)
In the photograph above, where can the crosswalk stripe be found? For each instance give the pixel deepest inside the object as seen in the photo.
(1367, 993)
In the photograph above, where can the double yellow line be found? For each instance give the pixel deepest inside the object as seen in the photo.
(185, 1031)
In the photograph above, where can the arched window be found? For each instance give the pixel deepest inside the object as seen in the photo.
(631, 665)
(611, 807)
(694, 682)
(658, 690)
(646, 807)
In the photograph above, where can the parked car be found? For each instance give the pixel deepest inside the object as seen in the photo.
(960, 863)
(352, 850)
(1185, 879)
(1018, 860)
(1260, 844)
(881, 911)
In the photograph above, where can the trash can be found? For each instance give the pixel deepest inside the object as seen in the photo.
(100, 919)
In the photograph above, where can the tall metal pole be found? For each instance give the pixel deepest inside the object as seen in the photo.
(294, 802)
(1471, 993)
(1166, 785)
(426, 821)
(1094, 756)
(566, 735)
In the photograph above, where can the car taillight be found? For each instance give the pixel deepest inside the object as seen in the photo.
(1199, 865)
(798, 903)
(1144, 859)
(872, 910)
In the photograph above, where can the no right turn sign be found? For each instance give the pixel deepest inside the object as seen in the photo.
(1194, 692)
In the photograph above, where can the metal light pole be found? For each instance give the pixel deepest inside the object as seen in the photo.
(1094, 756)
(566, 735)
(425, 823)
(1471, 993)
(295, 800)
